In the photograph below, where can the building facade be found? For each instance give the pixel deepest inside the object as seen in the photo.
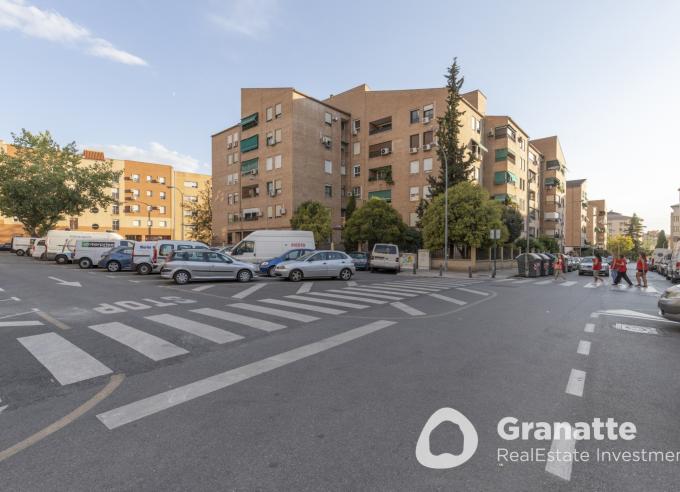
(577, 226)
(552, 181)
(617, 223)
(674, 236)
(597, 228)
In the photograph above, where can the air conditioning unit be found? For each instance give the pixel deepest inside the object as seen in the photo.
(271, 141)
(491, 134)
(229, 145)
(385, 151)
(426, 120)
(282, 211)
(427, 147)
(253, 172)
(413, 150)
(354, 132)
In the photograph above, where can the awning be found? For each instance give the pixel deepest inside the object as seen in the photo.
(249, 121)
(249, 165)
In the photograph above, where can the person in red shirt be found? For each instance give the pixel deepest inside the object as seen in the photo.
(641, 273)
(621, 265)
(597, 268)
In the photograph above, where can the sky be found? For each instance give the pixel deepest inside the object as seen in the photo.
(152, 80)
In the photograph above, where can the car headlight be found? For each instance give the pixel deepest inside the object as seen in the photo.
(264, 263)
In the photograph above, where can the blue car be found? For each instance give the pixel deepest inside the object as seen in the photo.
(268, 267)
(117, 259)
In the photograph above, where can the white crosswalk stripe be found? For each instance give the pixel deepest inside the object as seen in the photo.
(414, 290)
(338, 294)
(202, 330)
(472, 291)
(148, 345)
(305, 307)
(303, 318)
(407, 309)
(369, 293)
(449, 299)
(305, 287)
(544, 282)
(523, 281)
(245, 293)
(351, 283)
(568, 283)
(66, 362)
(258, 323)
(201, 288)
(328, 302)
(406, 286)
(504, 279)
(20, 323)
(378, 291)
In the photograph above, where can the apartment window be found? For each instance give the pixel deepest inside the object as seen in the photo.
(236, 157)
(278, 135)
(230, 159)
(414, 167)
(279, 210)
(356, 170)
(278, 161)
(343, 170)
(235, 197)
(235, 178)
(135, 178)
(269, 113)
(382, 194)
(229, 142)
(190, 184)
(230, 199)
(250, 143)
(328, 167)
(230, 179)
(136, 223)
(161, 179)
(235, 138)
(278, 186)
(269, 164)
(161, 209)
(413, 194)
(190, 198)
(328, 191)
(270, 212)
(161, 195)
(522, 184)
(356, 148)
(414, 141)
(522, 143)
(134, 208)
(149, 193)
(115, 209)
(356, 191)
(115, 225)
(505, 131)
(269, 138)
(135, 193)
(328, 118)
(475, 124)
(428, 137)
(277, 110)
(427, 165)
(379, 126)
(356, 126)
(414, 116)
(532, 157)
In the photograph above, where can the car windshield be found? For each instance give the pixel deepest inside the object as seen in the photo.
(358, 256)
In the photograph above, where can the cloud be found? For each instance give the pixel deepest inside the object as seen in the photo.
(52, 26)
(245, 17)
(156, 153)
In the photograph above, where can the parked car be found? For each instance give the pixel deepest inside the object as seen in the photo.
(673, 268)
(6, 247)
(656, 257)
(268, 267)
(186, 265)
(117, 259)
(22, 245)
(360, 260)
(669, 303)
(385, 257)
(149, 256)
(572, 263)
(334, 264)
(585, 267)
(259, 246)
(88, 252)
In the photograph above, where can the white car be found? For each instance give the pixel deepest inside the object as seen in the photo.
(186, 265)
(335, 264)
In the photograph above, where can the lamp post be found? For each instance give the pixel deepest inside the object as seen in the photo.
(149, 209)
(172, 187)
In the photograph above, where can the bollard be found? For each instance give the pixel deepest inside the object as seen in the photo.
(441, 270)
(469, 272)
(414, 268)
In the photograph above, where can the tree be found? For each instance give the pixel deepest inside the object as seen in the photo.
(620, 245)
(201, 211)
(472, 214)
(634, 232)
(548, 244)
(411, 240)
(351, 207)
(450, 149)
(315, 217)
(42, 183)
(514, 221)
(661, 240)
(375, 222)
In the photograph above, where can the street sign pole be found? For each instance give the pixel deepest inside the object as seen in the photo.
(495, 235)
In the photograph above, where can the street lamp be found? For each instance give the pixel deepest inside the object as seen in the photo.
(149, 209)
(171, 187)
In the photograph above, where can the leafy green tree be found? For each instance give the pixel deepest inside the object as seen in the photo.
(621, 245)
(313, 216)
(351, 207)
(375, 222)
(42, 183)
(549, 244)
(471, 216)
(411, 240)
(661, 240)
(634, 232)
(514, 221)
(201, 212)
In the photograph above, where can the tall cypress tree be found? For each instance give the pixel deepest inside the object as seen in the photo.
(635, 229)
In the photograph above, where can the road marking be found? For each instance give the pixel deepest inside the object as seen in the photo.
(260, 324)
(627, 313)
(20, 323)
(305, 307)
(305, 287)
(245, 293)
(379, 291)
(409, 287)
(577, 380)
(110, 387)
(67, 363)
(168, 399)
(202, 330)
(2, 290)
(504, 279)
(304, 318)
(407, 309)
(523, 281)
(471, 291)
(64, 282)
(10, 299)
(561, 446)
(568, 283)
(329, 302)
(203, 287)
(339, 295)
(590, 328)
(111, 276)
(351, 283)
(400, 290)
(650, 289)
(151, 346)
(648, 330)
(51, 319)
(1, 409)
(367, 293)
(583, 347)
(448, 299)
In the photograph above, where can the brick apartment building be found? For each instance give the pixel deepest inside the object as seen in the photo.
(577, 225)
(674, 236)
(597, 227)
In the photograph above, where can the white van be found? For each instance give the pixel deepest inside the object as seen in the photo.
(385, 257)
(22, 245)
(38, 249)
(265, 245)
(674, 265)
(88, 252)
(149, 256)
(657, 256)
(56, 240)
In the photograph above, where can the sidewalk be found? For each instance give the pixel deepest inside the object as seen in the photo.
(504, 273)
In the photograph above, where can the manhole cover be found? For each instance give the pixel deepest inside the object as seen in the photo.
(647, 330)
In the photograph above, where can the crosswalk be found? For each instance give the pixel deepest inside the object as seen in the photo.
(589, 284)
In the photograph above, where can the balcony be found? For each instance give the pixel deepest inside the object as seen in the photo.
(382, 195)
(251, 191)
(380, 149)
(505, 131)
(249, 121)
(250, 143)
(503, 177)
(379, 126)
(504, 155)
(250, 167)
(383, 173)
(551, 216)
(250, 214)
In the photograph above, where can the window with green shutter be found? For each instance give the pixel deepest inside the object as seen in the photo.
(250, 143)
(501, 154)
(249, 166)
(382, 194)
(500, 198)
(499, 177)
(249, 121)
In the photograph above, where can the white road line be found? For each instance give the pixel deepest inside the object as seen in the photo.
(471, 291)
(303, 318)
(208, 332)
(338, 295)
(146, 344)
(10, 299)
(351, 283)
(504, 279)
(329, 302)
(589, 328)
(3, 407)
(401, 290)
(561, 446)
(203, 287)
(305, 307)
(2, 290)
(577, 379)
(379, 291)
(368, 293)
(305, 287)
(449, 299)
(162, 401)
(260, 324)
(523, 281)
(407, 309)
(20, 323)
(583, 347)
(650, 289)
(544, 282)
(568, 283)
(67, 363)
(245, 293)
(409, 287)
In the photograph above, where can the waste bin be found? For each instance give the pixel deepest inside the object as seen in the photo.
(530, 260)
(545, 264)
(551, 263)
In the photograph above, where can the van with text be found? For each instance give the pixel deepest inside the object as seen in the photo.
(89, 252)
(56, 240)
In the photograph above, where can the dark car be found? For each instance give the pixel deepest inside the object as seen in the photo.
(6, 247)
(360, 259)
(117, 259)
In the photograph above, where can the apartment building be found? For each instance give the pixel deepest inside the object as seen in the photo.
(617, 223)
(186, 190)
(577, 226)
(552, 181)
(674, 236)
(597, 228)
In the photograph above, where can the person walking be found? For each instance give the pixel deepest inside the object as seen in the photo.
(597, 268)
(559, 267)
(641, 273)
(622, 269)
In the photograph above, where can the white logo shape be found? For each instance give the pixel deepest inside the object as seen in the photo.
(446, 460)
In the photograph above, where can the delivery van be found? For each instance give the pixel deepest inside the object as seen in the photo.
(88, 252)
(149, 256)
(38, 249)
(385, 257)
(22, 245)
(56, 240)
(263, 245)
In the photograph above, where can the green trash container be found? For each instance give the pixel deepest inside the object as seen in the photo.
(529, 265)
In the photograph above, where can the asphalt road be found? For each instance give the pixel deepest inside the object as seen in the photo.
(122, 382)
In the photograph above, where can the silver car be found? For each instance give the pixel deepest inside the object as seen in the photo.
(669, 303)
(585, 267)
(316, 264)
(203, 264)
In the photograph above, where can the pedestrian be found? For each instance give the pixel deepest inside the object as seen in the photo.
(641, 273)
(597, 268)
(559, 267)
(622, 270)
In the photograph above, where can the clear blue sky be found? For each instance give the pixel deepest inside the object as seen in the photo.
(153, 79)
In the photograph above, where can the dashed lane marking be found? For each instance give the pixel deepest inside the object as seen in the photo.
(351, 283)
(245, 293)
(589, 328)
(583, 347)
(203, 287)
(448, 299)
(407, 309)
(577, 380)
(561, 446)
(20, 323)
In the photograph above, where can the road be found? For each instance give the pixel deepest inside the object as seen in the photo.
(122, 382)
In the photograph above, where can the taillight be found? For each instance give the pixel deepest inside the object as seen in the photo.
(677, 265)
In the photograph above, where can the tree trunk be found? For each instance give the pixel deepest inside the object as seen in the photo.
(473, 258)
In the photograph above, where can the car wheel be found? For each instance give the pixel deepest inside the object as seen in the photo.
(113, 266)
(244, 276)
(345, 274)
(295, 276)
(85, 263)
(182, 277)
(144, 269)
(270, 270)
(20, 252)
(61, 260)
